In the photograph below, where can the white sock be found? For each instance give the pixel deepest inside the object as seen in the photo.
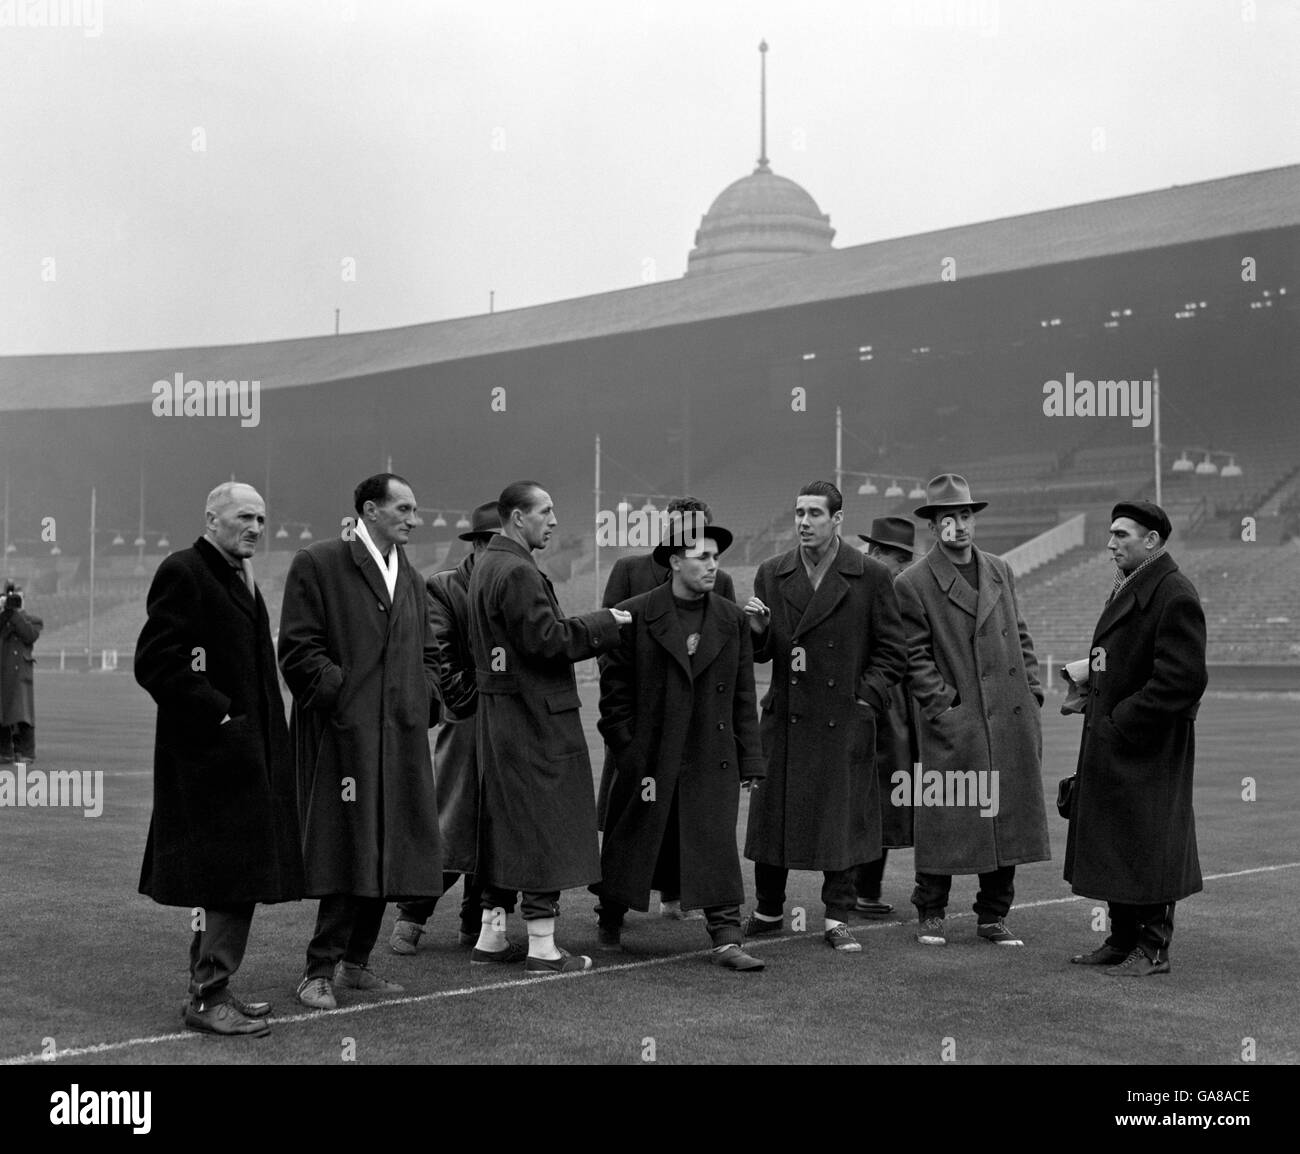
(768, 917)
(831, 923)
(666, 904)
(490, 939)
(541, 939)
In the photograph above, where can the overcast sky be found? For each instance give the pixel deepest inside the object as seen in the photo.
(188, 173)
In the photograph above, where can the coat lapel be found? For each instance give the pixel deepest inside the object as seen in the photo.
(828, 595)
(665, 627)
(370, 571)
(949, 580)
(232, 579)
(990, 587)
(1134, 594)
(712, 638)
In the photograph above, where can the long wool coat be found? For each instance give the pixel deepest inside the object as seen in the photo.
(455, 756)
(224, 827)
(974, 653)
(630, 577)
(895, 750)
(690, 726)
(1132, 834)
(19, 630)
(820, 805)
(537, 816)
(362, 674)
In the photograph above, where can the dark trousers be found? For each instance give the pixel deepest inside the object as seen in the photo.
(992, 902)
(534, 905)
(838, 895)
(1149, 928)
(867, 878)
(722, 922)
(471, 915)
(18, 742)
(346, 930)
(217, 949)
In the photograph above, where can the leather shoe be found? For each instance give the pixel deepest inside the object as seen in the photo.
(871, 908)
(251, 1009)
(1103, 955)
(223, 1018)
(734, 958)
(1137, 965)
(405, 939)
(513, 953)
(317, 994)
(755, 926)
(566, 963)
(351, 976)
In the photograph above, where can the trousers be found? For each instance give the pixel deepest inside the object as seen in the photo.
(346, 930)
(1148, 928)
(217, 949)
(838, 893)
(992, 902)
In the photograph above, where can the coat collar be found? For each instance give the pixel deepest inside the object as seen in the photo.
(808, 608)
(1136, 594)
(665, 627)
(362, 559)
(956, 587)
(228, 575)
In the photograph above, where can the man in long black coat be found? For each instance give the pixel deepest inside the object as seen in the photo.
(677, 707)
(224, 830)
(19, 630)
(357, 654)
(537, 817)
(630, 577)
(1132, 840)
(455, 748)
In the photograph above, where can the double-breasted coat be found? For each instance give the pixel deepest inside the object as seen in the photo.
(1132, 833)
(630, 577)
(684, 726)
(895, 750)
(537, 815)
(819, 807)
(19, 631)
(973, 652)
(224, 828)
(455, 757)
(361, 670)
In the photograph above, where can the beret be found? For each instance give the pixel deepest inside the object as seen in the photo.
(1146, 514)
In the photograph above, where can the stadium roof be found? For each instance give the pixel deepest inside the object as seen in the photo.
(1186, 214)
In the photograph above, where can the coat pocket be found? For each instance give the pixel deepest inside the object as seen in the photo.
(563, 737)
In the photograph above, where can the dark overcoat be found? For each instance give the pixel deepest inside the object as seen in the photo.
(820, 805)
(974, 653)
(630, 577)
(689, 726)
(224, 828)
(362, 673)
(895, 750)
(537, 816)
(1132, 834)
(455, 758)
(18, 633)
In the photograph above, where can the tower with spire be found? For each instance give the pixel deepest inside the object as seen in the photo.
(761, 217)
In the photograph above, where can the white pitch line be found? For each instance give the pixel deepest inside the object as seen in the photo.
(516, 983)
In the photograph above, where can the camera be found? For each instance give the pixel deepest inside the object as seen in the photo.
(12, 598)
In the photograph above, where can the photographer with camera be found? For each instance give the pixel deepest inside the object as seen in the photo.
(18, 633)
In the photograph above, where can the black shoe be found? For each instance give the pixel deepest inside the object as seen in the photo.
(1103, 955)
(251, 1009)
(609, 939)
(755, 926)
(872, 908)
(734, 958)
(223, 1018)
(1137, 965)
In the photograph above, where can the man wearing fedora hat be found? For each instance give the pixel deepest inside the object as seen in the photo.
(1132, 839)
(974, 677)
(677, 709)
(455, 761)
(630, 577)
(892, 542)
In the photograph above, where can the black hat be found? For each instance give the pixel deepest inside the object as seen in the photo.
(675, 538)
(483, 522)
(947, 491)
(892, 533)
(1145, 513)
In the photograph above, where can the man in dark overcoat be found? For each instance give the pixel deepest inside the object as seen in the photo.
(224, 830)
(537, 816)
(677, 708)
(1132, 839)
(19, 630)
(892, 542)
(455, 757)
(826, 617)
(630, 577)
(974, 677)
(356, 652)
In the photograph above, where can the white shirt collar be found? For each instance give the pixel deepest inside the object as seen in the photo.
(387, 569)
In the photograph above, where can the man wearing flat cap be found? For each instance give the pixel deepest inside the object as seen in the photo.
(892, 542)
(974, 676)
(455, 758)
(1132, 840)
(677, 709)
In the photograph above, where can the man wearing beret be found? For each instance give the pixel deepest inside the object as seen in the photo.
(1132, 839)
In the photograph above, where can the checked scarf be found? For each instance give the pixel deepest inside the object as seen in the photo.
(1122, 578)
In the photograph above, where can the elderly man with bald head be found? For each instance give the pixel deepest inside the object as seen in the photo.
(224, 832)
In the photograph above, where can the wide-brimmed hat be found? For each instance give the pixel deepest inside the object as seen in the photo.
(675, 538)
(892, 533)
(947, 491)
(483, 522)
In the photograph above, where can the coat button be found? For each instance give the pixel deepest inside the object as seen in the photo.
(831, 683)
(722, 725)
(722, 688)
(1004, 633)
(725, 764)
(793, 718)
(381, 606)
(830, 645)
(989, 713)
(830, 724)
(794, 681)
(1012, 671)
(1016, 710)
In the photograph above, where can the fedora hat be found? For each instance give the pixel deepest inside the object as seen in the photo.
(483, 522)
(947, 491)
(674, 538)
(893, 533)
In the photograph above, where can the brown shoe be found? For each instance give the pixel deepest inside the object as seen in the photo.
(223, 1018)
